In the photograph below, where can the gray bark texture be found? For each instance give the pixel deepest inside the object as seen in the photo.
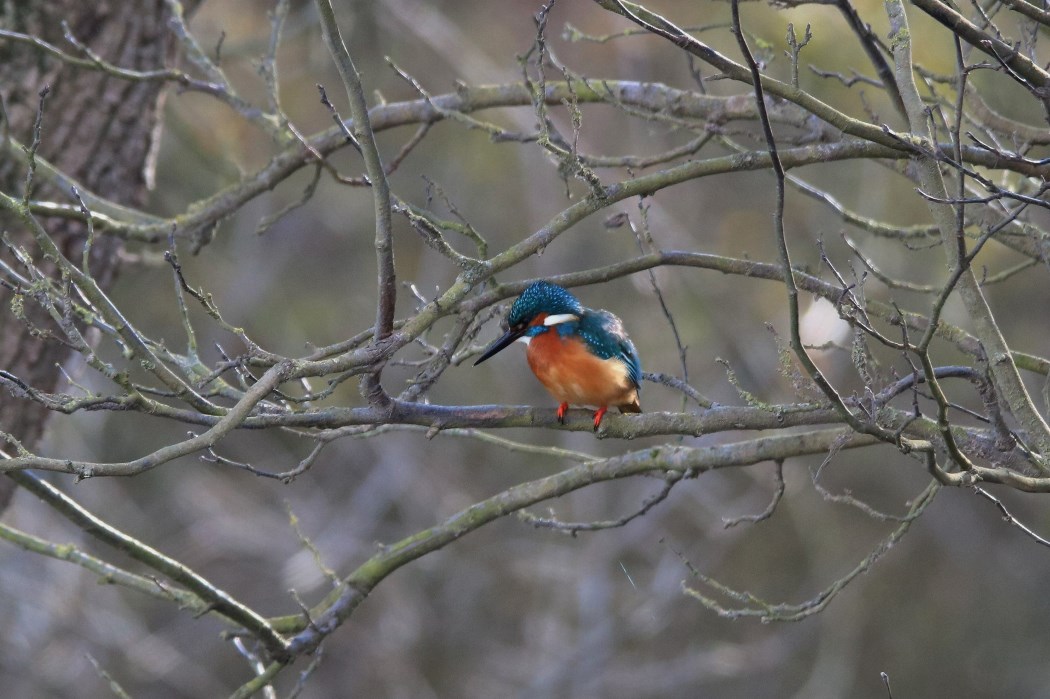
(95, 128)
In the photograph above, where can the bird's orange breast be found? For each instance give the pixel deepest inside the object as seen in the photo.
(572, 374)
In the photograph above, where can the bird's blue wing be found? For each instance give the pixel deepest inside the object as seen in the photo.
(629, 356)
(604, 334)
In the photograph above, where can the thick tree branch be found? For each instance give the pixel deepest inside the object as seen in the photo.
(1004, 370)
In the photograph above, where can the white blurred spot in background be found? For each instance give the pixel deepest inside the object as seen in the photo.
(820, 325)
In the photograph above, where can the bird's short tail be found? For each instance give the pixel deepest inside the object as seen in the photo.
(633, 407)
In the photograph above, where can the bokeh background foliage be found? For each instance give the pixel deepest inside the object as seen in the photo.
(956, 608)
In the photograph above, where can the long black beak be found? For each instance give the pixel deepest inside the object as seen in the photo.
(508, 337)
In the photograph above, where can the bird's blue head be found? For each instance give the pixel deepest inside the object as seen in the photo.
(540, 297)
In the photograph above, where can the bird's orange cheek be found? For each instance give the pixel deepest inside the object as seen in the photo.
(538, 320)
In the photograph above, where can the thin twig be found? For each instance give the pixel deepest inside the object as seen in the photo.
(778, 495)
(572, 528)
(781, 239)
(752, 606)
(1009, 518)
(365, 137)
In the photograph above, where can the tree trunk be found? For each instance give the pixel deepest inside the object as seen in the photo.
(97, 129)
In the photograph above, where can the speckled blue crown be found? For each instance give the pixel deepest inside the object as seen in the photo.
(542, 297)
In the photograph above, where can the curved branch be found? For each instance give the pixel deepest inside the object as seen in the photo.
(218, 599)
(341, 603)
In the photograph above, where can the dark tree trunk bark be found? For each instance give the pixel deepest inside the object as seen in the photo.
(97, 129)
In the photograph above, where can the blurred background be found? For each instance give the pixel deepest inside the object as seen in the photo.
(957, 608)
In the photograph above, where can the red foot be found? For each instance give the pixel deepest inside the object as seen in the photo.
(562, 409)
(599, 415)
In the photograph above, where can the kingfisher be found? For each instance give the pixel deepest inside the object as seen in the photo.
(581, 355)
